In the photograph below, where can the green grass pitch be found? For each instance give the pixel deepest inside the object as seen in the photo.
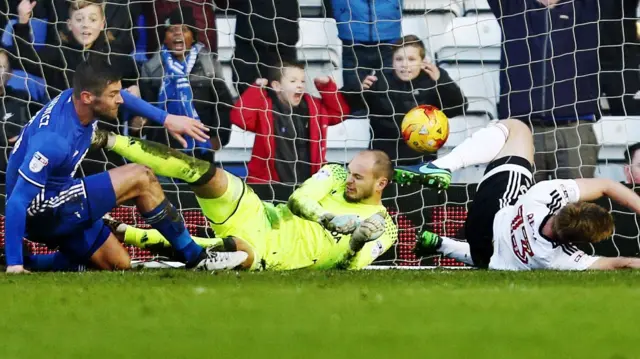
(370, 314)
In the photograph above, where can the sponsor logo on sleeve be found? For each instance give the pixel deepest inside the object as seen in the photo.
(38, 162)
(376, 250)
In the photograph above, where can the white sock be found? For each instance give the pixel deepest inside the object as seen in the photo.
(456, 249)
(481, 147)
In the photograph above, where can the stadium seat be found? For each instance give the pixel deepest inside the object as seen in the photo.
(321, 49)
(615, 134)
(430, 6)
(225, 28)
(312, 8)
(320, 36)
(470, 39)
(462, 127)
(472, 7)
(424, 27)
(477, 80)
(479, 106)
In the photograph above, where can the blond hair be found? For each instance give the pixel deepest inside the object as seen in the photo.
(76, 5)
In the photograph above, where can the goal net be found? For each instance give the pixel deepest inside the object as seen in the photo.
(462, 37)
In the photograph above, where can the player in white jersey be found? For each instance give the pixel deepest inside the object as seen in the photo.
(512, 224)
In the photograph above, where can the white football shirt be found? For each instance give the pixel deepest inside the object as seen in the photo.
(517, 241)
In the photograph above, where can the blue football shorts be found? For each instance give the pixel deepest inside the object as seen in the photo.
(69, 218)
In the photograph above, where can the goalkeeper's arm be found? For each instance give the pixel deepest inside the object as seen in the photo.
(304, 202)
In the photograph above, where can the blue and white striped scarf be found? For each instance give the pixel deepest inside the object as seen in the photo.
(176, 96)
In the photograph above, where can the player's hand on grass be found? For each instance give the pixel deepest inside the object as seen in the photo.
(183, 125)
(343, 224)
(370, 229)
(17, 269)
(25, 10)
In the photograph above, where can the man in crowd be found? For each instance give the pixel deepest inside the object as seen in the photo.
(549, 80)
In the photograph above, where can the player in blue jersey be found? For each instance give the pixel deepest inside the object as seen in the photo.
(47, 205)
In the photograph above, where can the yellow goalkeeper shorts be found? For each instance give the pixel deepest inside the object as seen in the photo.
(240, 213)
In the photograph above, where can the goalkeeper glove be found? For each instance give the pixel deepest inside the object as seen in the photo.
(343, 224)
(371, 229)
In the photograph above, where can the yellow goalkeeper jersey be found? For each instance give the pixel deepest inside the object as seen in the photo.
(300, 243)
(283, 241)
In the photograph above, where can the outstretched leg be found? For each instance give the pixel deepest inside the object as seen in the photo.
(500, 138)
(164, 161)
(224, 199)
(217, 191)
(430, 242)
(236, 252)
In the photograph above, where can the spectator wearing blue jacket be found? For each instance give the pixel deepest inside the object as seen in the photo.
(549, 79)
(367, 29)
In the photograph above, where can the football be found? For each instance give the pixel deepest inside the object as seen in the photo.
(425, 128)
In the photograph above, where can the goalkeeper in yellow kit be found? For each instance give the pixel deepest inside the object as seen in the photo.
(334, 220)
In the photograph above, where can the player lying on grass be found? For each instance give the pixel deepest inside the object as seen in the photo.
(334, 220)
(512, 225)
(47, 205)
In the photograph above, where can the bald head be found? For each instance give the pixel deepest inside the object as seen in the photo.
(382, 166)
(369, 173)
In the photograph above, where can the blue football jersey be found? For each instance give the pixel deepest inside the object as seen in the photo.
(50, 147)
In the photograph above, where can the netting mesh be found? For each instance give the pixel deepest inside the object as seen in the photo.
(348, 41)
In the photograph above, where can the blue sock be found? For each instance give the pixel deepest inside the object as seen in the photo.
(166, 220)
(51, 263)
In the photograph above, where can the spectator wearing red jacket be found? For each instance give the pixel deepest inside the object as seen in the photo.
(290, 126)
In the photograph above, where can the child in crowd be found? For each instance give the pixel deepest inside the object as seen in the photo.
(56, 63)
(290, 126)
(414, 80)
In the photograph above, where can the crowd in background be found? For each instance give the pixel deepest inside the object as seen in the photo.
(555, 65)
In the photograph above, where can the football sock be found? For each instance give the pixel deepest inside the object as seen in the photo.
(457, 250)
(481, 147)
(145, 238)
(51, 263)
(163, 160)
(166, 220)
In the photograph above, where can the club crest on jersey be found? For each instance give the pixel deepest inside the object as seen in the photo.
(38, 162)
